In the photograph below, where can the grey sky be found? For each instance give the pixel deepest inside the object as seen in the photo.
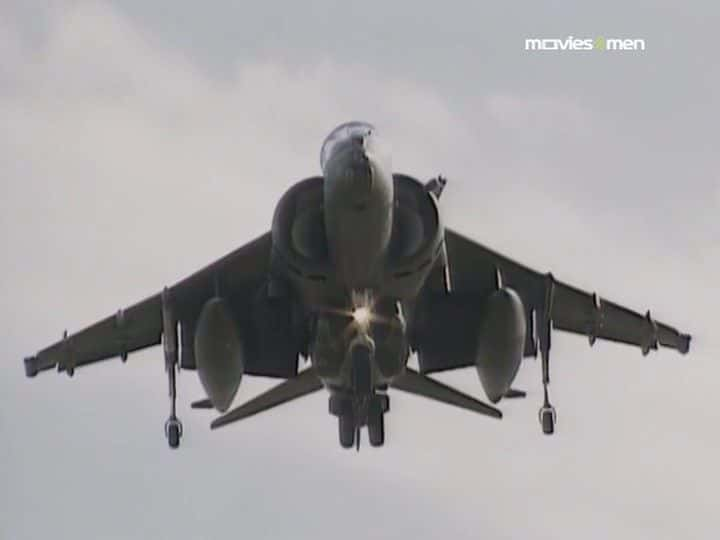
(129, 134)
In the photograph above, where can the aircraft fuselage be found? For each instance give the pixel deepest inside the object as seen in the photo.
(358, 210)
(356, 247)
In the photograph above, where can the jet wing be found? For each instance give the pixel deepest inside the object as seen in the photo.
(475, 269)
(237, 276)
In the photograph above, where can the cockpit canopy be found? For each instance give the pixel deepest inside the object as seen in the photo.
(342, 133)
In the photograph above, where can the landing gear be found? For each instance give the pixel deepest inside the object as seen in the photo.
(173, 431)
(376, 426)
(362, 403)
(346, 429)
(353, 413)
(547, 414)
(361, 356)
(173, 426)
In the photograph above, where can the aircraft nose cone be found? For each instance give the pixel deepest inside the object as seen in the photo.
(349, 173)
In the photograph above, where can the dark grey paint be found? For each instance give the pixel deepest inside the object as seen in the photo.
(360, 237)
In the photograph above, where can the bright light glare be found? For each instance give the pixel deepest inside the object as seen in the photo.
(362, 315)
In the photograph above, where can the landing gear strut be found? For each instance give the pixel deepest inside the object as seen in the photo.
(547, 414)
(363, 404)
(173, 426)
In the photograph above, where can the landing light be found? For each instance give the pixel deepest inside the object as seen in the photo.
(362, 316)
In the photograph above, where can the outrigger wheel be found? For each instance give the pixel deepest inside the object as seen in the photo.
(173, 431)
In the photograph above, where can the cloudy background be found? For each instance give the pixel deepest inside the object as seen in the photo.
(138, 143)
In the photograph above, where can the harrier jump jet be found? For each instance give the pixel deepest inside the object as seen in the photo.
(356, 274)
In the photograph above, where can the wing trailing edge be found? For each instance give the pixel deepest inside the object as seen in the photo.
(414, 383)
(305, 383)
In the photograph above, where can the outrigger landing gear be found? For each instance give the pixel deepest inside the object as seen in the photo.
(547, 414)
(173, 431)
(173, 426)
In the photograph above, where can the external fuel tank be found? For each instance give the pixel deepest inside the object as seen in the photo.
(501, 340)
(219, 354)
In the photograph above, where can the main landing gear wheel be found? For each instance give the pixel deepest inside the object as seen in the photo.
(376, 428)
(377, 408)
(347, 429)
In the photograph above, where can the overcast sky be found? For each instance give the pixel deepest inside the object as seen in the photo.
(139, 143)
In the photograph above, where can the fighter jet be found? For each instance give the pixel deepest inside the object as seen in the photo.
(356, 274)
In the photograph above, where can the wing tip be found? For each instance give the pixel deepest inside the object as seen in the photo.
(31, 369)
(684, 344)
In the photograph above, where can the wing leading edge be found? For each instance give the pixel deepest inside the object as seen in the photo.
(237, 275)
(476, 271)
(475, 268)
